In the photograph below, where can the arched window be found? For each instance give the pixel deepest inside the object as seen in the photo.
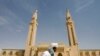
(16, 53)
(10, 53)
(4, 53)
(99, 53)
(60, 54)
(81, 53)
(93, 54)
(87, 53)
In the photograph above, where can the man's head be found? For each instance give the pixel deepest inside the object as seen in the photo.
(54, 49)
(54, 46)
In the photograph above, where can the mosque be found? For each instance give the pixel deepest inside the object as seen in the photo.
(62, 50)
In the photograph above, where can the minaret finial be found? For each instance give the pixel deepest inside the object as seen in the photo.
(68, 13)
(35, 14)
(68, 16)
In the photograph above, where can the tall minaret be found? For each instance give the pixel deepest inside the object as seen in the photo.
(31, 35)
(71, 30)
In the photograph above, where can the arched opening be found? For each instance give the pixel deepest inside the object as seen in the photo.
(16, 53)
(4, 53)
(81, 53)
(99, 53)
(10, 53)
(93, 54)
(87, 53)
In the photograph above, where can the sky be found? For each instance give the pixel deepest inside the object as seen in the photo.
(15, 16)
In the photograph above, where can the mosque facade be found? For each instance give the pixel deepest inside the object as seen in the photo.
(31, 49)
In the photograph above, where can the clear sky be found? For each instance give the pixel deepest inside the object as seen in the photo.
(15, 16)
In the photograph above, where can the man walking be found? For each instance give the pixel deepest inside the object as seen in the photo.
(51, 51)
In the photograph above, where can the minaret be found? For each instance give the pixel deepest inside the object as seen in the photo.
(71, 30)
(31, 35)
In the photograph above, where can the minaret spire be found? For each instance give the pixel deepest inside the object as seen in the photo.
(35, 14)
(31, 35)
(71, 29)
